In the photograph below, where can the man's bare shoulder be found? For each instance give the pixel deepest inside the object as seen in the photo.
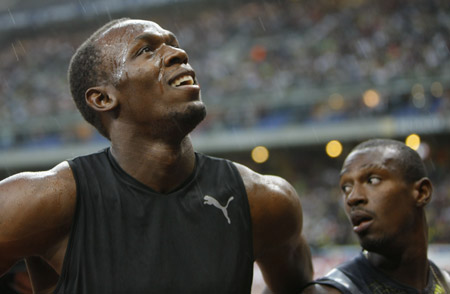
(320, 289)
(266, 187)
(36, 211)
(274, 204)
(52, 187)
(278, 245)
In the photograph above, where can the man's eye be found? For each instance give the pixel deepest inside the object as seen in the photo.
(374, 180)
(144, 50)
(346, 189)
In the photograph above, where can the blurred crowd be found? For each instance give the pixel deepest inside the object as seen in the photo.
(260, 64)
(268, 64)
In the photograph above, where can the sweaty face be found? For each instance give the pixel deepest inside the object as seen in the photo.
(378, 202)
(155, 85)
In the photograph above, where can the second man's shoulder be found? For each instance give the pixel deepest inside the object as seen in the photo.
(320, 289)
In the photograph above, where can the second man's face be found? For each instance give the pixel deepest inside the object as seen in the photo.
(378, 202)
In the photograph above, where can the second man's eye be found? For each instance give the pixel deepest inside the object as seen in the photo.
(374, 180)
(346, 189)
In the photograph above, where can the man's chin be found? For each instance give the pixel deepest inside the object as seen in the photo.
(197, 112)
(377, 245)
(194, 114)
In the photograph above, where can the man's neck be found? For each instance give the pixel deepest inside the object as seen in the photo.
(409, 267)
(160, 165)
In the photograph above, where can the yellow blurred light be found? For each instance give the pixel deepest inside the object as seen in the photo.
(418, 96)
(336, 101)
(371, 98)
(417, 89)
(436, 89)
(260, 154)
(333, 148)
(419, 100)
(413, 141)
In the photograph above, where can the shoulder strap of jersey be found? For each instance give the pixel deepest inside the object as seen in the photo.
(339, 277)
(445, 276)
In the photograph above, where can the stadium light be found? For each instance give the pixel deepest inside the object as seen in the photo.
(336, 101)
(333, 148)
(436, 89)
(413, 141)
(371, 98)
(260, 154)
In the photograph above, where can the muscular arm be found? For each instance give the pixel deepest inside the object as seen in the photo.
(36, 211)
(279, 247)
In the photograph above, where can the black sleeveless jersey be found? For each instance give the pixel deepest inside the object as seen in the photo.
(358, 276)
(127, 238)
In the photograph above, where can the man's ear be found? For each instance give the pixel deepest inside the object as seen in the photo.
(100, 99)
(422, 191)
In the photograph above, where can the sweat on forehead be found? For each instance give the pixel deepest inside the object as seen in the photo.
(378, 152)
(393, 152)
(387, 157)
(128, 29)
(114, 43)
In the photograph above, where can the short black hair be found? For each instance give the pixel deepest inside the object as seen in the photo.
(86, 70)
(409, 161)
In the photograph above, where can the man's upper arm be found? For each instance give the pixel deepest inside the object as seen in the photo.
(279, 248)
(36, 210)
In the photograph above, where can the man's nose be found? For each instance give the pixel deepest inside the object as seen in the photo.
(356, 197)
(172, 55)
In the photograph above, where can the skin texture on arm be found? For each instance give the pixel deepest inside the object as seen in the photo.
(36, 211)
(280, 250)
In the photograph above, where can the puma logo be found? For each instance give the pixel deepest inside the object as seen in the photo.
(211, 201)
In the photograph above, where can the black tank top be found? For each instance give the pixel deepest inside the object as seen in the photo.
(359, 276)
(127, 238)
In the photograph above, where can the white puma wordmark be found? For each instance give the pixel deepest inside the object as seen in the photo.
(212, 201)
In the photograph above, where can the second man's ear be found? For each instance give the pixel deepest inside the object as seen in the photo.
(99, 99)
(423, 190)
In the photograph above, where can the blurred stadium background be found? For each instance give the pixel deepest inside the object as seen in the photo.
(281, 79)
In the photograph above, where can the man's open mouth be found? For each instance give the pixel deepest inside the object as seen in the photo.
(360, 220)
(185, 80)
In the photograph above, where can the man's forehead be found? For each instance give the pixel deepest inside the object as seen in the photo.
(139, 25)
(381, 156)
(131, 28)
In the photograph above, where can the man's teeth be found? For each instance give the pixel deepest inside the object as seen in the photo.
(183, 81)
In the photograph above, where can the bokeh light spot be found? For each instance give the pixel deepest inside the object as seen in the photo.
(371, 98)
(260, 154)
(436, 89)
(336, 101)
(333, 148)
(413, 141)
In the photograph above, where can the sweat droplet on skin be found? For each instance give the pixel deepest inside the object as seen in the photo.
(121, 66)
(160, 75)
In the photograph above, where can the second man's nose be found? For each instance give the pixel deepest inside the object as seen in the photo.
(356, 197)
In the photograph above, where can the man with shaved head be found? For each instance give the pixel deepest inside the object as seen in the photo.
(385, 190)
(148, 214)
